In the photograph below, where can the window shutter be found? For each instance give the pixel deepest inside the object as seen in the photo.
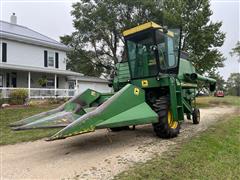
(45, 59)
(4, 52)
(56, 60)
(57, 82)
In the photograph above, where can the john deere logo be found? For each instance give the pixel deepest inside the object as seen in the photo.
(136, 91)
(144, 83)
(93, 93)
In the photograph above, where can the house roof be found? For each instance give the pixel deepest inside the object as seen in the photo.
(24, 34)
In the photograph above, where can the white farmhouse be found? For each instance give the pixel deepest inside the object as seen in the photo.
(34, 61)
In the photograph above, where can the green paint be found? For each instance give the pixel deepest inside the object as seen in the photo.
(140, 114)
(126, 103)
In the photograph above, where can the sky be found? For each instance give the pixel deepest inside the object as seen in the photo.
(52, 18)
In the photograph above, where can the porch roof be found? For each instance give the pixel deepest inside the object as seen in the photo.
(89, 79)
(39, 69)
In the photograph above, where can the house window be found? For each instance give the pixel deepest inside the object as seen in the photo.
(50, 83)
(4, 52)
(1, 80)
(51, 59)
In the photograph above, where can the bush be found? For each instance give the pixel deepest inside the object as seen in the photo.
(18, 96)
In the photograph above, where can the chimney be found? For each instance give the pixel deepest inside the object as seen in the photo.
(13, 18)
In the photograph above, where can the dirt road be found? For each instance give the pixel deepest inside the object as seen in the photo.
(98, 155)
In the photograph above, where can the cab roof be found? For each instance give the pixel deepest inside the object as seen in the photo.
(145, 26)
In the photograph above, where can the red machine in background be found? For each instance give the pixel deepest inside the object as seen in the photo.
(219, 94)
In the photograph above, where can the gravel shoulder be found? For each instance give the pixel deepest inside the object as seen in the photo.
(98, 155)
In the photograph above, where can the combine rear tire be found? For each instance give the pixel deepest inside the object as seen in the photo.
(166, 127)
(196, 116)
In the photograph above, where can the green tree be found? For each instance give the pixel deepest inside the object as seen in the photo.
(81, 60)
(233, 84)
(201, 37)
(99, 25)
(220, 84)
(236, 51)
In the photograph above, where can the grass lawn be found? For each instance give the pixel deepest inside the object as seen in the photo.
(211, 101)
(7, 116)
(215, 154)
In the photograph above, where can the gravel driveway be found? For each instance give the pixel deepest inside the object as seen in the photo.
(98, 155)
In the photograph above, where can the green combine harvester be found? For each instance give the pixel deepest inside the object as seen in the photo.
(155, 85)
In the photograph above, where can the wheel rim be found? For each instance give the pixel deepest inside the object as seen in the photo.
(171, 123)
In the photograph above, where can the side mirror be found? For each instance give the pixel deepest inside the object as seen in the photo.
(165, 29)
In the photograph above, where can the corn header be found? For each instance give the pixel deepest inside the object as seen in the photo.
(156, 84)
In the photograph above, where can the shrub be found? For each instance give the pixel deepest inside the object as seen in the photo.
(18, 96)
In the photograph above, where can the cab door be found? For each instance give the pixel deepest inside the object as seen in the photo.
(168, 51)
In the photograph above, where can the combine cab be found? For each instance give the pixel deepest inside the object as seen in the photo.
(155, 85)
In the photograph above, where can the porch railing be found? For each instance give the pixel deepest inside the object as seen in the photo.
(40, 92)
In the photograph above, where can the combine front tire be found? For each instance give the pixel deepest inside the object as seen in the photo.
(196, 116)
(166, 127)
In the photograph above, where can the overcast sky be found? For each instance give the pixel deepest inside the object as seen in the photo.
(52, 18)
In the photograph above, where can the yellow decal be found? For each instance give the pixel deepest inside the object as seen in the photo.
(93, 93)
(136, 91)
(144, 83)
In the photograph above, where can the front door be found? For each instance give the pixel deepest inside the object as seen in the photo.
(11, 79)
(14, 79)
(1, 80)
(71, 86)
(8, 80)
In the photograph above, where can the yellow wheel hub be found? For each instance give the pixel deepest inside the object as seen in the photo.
(171, 123)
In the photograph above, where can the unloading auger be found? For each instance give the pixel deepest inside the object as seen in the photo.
(155, 85)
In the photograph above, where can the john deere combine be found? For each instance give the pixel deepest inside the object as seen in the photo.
(155, 85)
